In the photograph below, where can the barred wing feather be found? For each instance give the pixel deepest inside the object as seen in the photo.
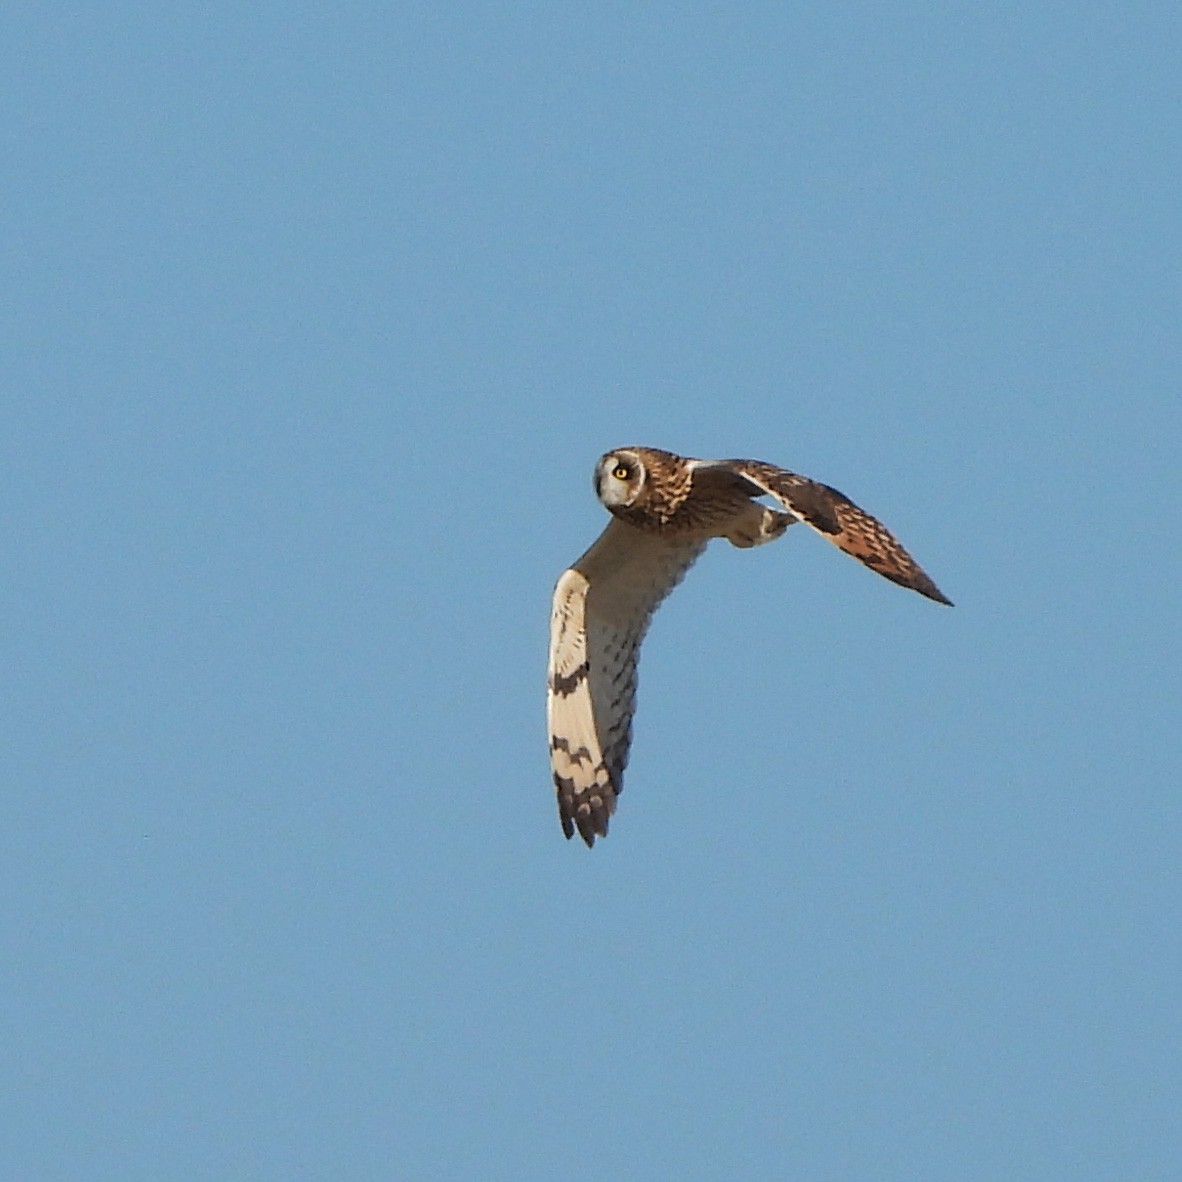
(602, 607)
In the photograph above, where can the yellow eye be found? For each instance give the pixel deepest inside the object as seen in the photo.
(621, 472)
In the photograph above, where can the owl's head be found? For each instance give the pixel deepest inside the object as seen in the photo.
(619, 477)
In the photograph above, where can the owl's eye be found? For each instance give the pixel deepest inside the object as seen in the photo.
(621, 471)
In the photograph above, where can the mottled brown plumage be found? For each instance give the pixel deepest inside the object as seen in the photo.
(847, 526)
(666, 508)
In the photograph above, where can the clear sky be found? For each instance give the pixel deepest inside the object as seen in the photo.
(315, 320)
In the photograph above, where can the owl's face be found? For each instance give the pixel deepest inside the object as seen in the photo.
(619, 477)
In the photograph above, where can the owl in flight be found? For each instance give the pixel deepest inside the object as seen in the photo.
(665, 508)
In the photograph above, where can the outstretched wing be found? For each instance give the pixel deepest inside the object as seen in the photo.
(848, 527)
(602, 607)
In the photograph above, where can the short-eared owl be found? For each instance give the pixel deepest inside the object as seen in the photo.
(665, 508)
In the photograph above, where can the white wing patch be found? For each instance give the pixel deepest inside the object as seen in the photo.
(602, 608)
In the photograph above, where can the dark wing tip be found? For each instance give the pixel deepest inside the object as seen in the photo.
(586, 809)
(587, 830)
(915, 579)
(591, 817)
(589, 834)
(904, 574)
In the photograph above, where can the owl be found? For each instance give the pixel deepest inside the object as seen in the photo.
(665, 509)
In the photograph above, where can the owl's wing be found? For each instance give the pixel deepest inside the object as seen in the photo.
(602, 607)
(848, 527)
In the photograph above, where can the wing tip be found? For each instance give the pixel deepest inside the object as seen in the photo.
(586, 832)
(929, 589)
(588, 810)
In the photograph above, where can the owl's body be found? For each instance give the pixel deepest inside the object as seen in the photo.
(665, 509)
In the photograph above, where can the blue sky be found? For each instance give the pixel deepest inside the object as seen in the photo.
(315, 320)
